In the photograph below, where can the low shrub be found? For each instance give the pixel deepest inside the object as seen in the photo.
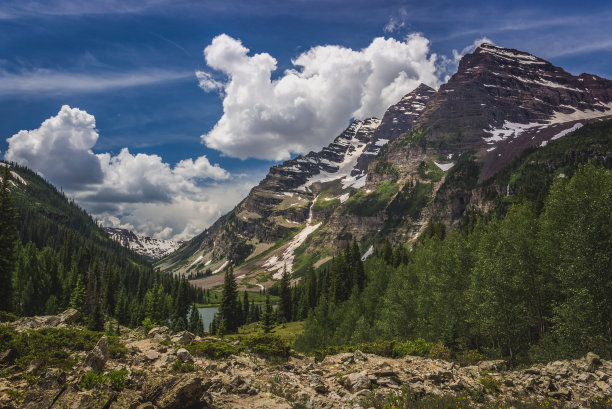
(115, 378)
(418, 347)
(390, 349)
(268, 346)
(491, 384)
(92, 379)
(439, 351)
(214, 349)
(7, 316)
(54, 347)
(469, 357)
(182, 367)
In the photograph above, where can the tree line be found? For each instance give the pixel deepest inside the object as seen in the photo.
(53, 256)
(530, 285)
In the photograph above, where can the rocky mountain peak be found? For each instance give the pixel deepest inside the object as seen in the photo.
(144, 245)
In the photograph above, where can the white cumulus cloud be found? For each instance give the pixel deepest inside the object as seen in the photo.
(60, 148)
(306, 106)
(136, 191)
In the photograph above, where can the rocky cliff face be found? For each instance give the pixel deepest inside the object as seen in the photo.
(382, 177)
(280, 205)
(146, 246)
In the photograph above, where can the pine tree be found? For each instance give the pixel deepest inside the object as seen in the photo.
(96, 320)
(8, 240)
(387, 252)
(229, 298)
(285, 297)
(77, 297)
(357, 267)
(245, 307)
(195, 322)
(182, 303)
(266, 319)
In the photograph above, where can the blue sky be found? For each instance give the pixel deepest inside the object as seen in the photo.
(131, 66)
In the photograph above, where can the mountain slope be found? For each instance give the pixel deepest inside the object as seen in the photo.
(279, 206)
(499, 103)
(146, 246)
(63, 258)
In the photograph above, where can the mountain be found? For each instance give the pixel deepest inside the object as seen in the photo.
(55, 256)
(429, 158)
(149, 247)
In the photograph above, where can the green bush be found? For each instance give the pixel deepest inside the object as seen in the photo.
(7, 316)
(92, 379)
(214, 349)
(491, 384)
(418, 347)
(54, 347)
(439, 351)
(182, 367)
(268, 346)
(117, 379)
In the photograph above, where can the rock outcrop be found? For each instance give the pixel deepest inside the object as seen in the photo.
(161, 374)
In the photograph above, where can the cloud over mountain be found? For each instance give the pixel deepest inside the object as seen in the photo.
(300, 110)
(144, 191)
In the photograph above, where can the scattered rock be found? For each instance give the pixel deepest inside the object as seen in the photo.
(359, 356)
(128, 399)
(183, 393)
(8, 356)
(98, 356)
(147, 405)
(69, 317)
(183, 338)
(34, 367)
(72, 398)
(357, 381)
(603, 386)
(493, 366)
(151, 355)
(593, 362)
(158, 331)
(183, 355)
(561, 393)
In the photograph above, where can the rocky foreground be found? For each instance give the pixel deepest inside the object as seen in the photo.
(159, 372)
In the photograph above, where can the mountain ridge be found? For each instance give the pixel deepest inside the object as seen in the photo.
(498, 104)
(149, 247)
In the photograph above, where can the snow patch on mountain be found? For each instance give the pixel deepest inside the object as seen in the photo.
(285, 262)
(507, 130)
(344, 170)
(144, 245)
(561, 117)
(444, 166)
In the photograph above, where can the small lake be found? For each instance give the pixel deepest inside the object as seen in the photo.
(207, 314)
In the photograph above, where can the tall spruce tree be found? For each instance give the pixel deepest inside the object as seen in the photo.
(229, 302)
(195, 322)
(285, 297)
(266, 318)
(8, 240)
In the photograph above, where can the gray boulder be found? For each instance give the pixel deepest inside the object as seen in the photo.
(98, 356)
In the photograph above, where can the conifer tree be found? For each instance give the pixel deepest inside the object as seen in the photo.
(195, 322)
(8, 240)
(357, 267)
(285, 297)
(245, 307)
(96, 320)
(266, 318)
(77, 297)
(229, 301)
